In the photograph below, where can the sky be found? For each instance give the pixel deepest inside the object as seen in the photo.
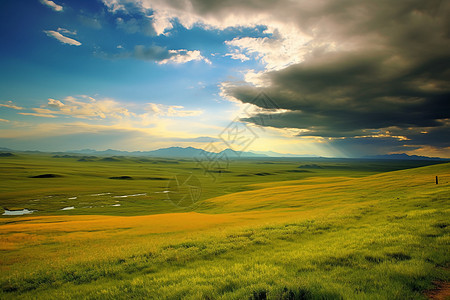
(335, 78)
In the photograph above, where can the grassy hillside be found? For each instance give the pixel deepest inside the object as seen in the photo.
(92, 185)
(332, 233)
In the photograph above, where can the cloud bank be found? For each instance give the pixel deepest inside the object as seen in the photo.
(354, 72)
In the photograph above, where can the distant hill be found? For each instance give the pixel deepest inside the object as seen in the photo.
(178, 152)
(6, 154)
(404, 156)
(187, 152)
(235, 154)
(191, 152)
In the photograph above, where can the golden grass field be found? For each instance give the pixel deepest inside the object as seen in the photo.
(382, 236)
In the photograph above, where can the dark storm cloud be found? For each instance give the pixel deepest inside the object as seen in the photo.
(437, 136)
(397, 75)
(362, 147)
(347, 92)
(369, 68)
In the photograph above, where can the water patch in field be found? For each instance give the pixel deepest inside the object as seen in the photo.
(118, 204)
(134, 195)
(101, 194)
(68, 208)
(17, 212)
(72, 198)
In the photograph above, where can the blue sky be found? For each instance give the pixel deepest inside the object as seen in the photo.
(54, 69)
(141, 75)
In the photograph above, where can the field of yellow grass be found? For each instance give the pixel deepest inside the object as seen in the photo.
(295, 238)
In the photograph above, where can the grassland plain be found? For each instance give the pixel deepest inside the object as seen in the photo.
(318, 229)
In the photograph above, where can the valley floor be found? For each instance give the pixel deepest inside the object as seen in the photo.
(381, 236)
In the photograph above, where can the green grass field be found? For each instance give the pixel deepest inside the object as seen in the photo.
(262, 229)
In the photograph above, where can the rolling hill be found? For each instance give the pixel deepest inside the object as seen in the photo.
(318, 238)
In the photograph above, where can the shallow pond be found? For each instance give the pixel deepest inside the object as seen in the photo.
(17, 212)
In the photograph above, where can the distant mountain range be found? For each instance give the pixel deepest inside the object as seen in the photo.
(167, 152)
(190, 152)
(404, 156)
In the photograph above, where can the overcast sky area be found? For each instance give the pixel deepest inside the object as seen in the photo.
(342, 78)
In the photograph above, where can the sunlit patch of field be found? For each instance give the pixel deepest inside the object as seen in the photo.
(72, 235)
(328, 192)
(353, 235)
(91, 186)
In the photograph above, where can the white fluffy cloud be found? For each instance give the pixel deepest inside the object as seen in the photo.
(161, 22)
(113, 5)
(66, 31)
(99, 123)
(237, 55)
(63, 39)
(183, 56)
(55, 103)
(38, 115)
(172, 110)
(10, 104)
(206, 13)
(287, 45)
(83, 107)
(52, 4)
(276, 52)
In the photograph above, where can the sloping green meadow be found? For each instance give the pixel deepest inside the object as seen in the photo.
(331, 229)
(98, 182)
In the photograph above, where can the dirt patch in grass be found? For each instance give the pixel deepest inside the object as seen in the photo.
(440, 292)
